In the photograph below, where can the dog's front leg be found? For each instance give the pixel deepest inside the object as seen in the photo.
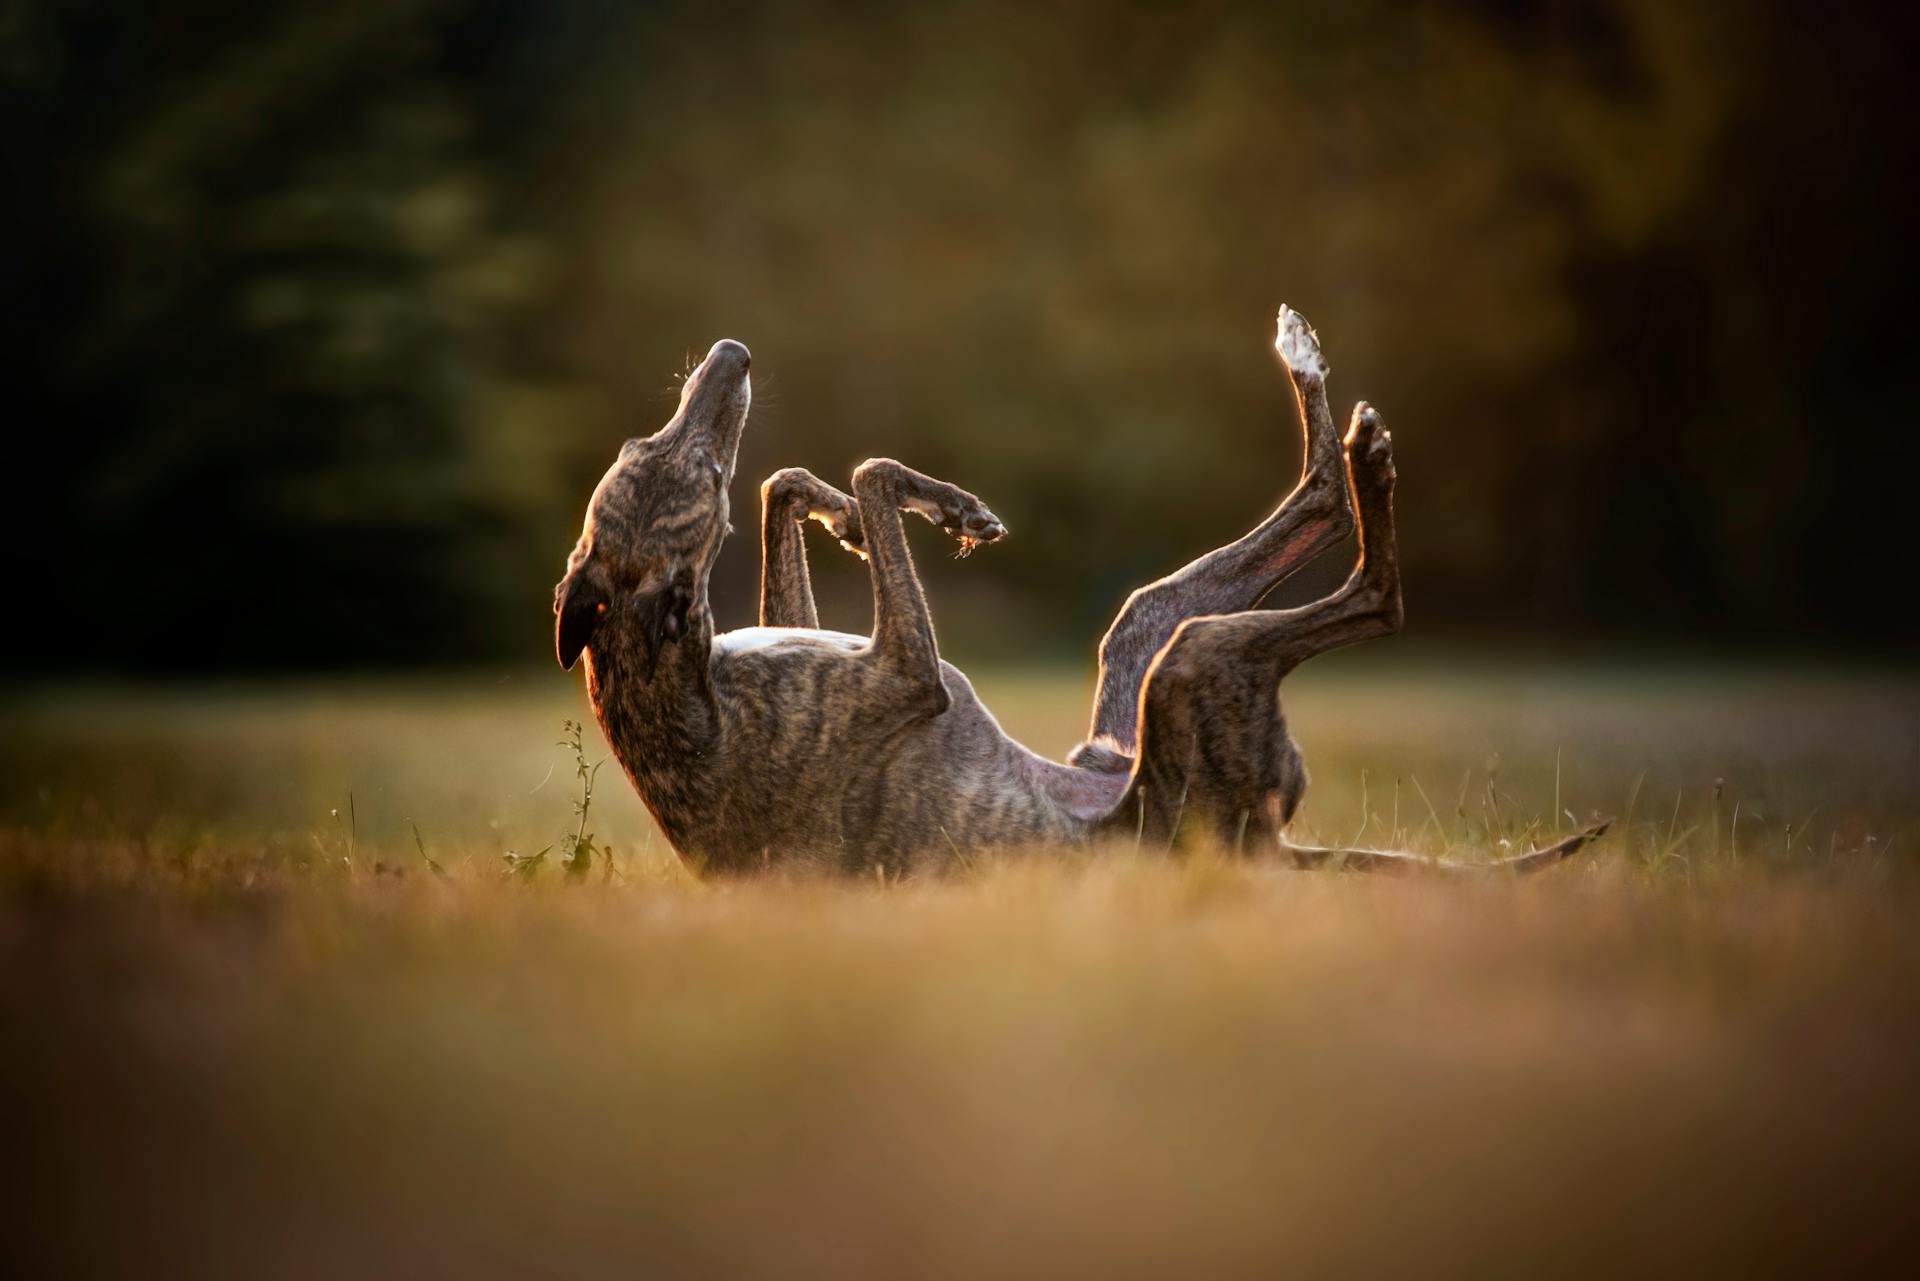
(903, 645)
(789, 498)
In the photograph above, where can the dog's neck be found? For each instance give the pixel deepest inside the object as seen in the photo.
(663, 727)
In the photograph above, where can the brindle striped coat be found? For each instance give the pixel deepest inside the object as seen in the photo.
(784, 744)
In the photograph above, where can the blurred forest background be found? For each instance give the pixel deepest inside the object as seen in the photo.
(323, 319)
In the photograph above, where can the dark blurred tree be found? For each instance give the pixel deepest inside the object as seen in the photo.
(295, 429)
(347, 306)
(1037, 248)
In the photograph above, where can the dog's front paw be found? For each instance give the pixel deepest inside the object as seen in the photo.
(842, 520)
(961, 515)
(974, 526)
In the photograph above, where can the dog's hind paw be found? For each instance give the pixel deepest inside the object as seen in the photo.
(1369, 445)
(1298, 345)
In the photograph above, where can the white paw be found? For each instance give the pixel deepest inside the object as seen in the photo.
(1298, 345)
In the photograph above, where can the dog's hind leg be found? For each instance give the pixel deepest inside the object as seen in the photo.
(1214, 750)
(1315, 516)
(1213, 747)
(788, 499)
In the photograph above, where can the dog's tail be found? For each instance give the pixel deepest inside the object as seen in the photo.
(1311, 856)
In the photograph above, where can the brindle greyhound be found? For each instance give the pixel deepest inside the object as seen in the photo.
(784, 743)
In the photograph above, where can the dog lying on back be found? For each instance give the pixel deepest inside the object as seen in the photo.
(784, 743)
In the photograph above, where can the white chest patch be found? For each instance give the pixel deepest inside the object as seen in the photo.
(748, 639)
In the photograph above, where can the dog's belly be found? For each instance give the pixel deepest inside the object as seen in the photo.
(950, 785)
(810, 774)
(748, 639)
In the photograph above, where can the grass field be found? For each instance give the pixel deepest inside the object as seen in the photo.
(273, 1002)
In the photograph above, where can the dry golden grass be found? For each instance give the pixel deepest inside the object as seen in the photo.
(245, 1038)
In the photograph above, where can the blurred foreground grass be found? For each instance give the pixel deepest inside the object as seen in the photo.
(247, 1037)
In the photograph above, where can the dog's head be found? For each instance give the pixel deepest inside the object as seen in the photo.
(656, 521)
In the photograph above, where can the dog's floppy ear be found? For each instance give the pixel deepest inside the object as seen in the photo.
(580, 601)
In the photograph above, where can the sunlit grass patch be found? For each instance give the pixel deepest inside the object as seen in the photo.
(253, 1035)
